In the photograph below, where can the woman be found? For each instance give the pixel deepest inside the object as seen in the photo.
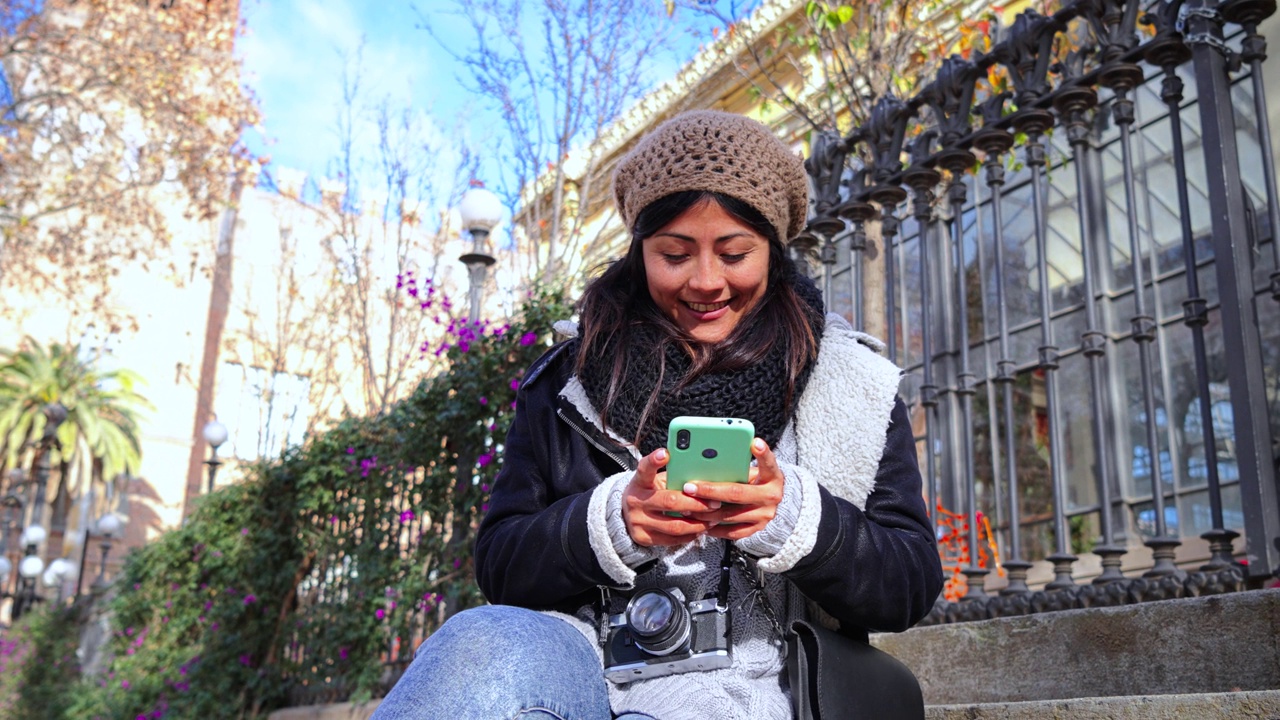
(704, 316)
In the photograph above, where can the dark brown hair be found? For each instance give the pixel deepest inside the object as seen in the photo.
(618, 301)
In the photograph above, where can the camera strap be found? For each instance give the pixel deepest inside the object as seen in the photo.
(752, 574)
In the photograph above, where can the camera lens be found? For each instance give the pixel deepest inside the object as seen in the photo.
(682, 440)
(658, 621)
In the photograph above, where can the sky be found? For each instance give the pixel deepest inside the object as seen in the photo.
(294, 53)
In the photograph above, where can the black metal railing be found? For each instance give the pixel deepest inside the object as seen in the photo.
(1049, 398)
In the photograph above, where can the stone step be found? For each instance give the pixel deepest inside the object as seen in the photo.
(1260, 704)
(1207, 645)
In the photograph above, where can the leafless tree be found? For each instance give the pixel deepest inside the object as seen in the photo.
(558, 73)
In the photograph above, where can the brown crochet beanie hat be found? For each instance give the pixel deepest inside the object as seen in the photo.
(718, 152)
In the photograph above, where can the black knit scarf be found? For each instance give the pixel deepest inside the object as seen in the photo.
(757, 393)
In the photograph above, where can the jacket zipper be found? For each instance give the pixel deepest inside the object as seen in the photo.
(621, 463)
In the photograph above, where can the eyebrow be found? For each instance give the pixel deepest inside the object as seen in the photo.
(688, 238)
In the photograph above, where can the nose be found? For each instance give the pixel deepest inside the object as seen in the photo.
(708, 276)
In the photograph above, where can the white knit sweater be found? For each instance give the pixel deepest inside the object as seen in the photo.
(836, 440)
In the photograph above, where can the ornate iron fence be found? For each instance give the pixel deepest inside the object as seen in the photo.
(1027, 287)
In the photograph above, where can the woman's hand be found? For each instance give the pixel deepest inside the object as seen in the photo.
(745, 508)
(646, 502)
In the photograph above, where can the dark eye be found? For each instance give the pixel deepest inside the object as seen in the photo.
(673, 259)
(733, 258)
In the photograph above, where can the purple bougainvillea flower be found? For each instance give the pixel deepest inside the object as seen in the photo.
(484, 459)
(342, 653)
(484, 400)
(464, 346)
(246, 660)
(351, 450)
(457, 563)
(124, 684)
(528, 338)
(406, 516)
(515, 383)
(380, 613)
(244, 531)
(250, 599)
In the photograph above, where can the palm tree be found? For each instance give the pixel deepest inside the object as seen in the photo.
(102, 413)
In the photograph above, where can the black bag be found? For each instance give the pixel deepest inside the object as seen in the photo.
(834, 677)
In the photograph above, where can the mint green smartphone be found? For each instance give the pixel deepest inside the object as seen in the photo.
(704, 449)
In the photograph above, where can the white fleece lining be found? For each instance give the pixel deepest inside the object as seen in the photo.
(598, 531)
(844, 412)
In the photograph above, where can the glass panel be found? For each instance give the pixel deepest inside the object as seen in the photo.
(910, 299)
(1022, 287)
(842, 294)
(1269, 321)
(1062, 240)
(1134, 453)
(1144, 517)
(1199, 514)
(1076, 417)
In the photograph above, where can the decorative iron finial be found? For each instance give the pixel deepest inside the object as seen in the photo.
(951, 97)
(886, 129)
(1166, 49)
(825, 165)
(992, 109)
(1114, 25)
(1027, 53)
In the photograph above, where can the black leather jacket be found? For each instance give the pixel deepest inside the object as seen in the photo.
(876, 569)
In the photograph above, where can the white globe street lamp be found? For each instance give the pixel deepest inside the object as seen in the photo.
(215, 433)
(481, 210)
(108, 527)
(33, 535)
(31, 567)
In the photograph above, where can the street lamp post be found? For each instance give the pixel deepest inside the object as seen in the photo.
(32, 565)
(29, 569)
(215, 433)
(108, 528)
(480, 210)
(12, 512)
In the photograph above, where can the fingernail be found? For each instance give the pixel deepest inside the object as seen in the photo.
(759, 444)
(714, 504)
(690, 488)
(660, 455)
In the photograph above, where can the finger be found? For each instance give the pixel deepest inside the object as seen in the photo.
(648, 468)
(645, 526)
(769, 493)
(672, 501)
(766, 461)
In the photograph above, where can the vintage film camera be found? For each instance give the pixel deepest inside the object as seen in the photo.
(662, 634)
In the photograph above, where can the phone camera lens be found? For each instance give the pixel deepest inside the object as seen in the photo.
(682, 440)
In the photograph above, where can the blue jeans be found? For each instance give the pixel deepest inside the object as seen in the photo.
(499, 661)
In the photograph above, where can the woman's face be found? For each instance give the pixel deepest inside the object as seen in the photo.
(706, 270)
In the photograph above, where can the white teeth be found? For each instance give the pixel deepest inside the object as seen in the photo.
(702, 308)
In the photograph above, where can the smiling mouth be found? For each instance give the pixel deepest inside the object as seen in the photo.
(706, 307)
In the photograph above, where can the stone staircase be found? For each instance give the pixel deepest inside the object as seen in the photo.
(1199, 658)
(1209, 658)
